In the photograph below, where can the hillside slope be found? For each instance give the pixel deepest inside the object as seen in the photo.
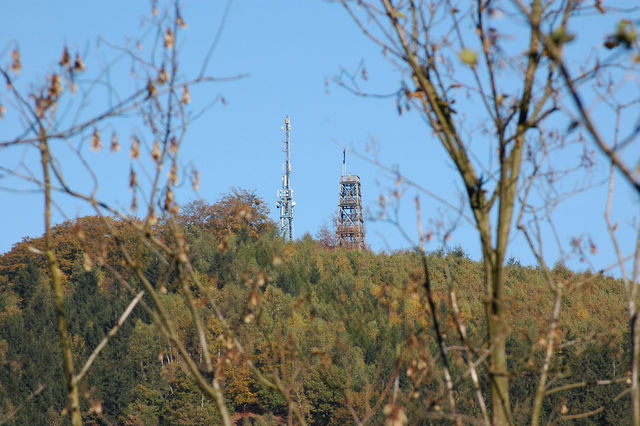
(347, 334)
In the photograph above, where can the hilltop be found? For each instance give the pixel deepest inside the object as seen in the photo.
(343, 331)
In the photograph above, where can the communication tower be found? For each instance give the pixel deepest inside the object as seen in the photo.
(285, 195)
(350, 227)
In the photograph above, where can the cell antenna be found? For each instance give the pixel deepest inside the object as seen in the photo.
(285, 195)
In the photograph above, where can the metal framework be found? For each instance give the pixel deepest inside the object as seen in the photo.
(285, 195)
(350, 228)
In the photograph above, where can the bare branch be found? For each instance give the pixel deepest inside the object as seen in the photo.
(105, 340)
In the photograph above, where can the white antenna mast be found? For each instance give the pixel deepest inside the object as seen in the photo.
(285, 195)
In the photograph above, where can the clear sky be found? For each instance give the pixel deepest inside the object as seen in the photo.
(291, 51)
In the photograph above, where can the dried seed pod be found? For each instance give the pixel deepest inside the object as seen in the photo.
(180, 21)
(173, 173)
(153, 219)
(196, 180)
(65, 60)
(135, 147)
(96, 142)
(133, 181)
(163, 76)
(155, 152)
(253, 299)
(169, 39)
(78, 65)
(168, 199)
(151, 89)
(173, 145)
(134, 202)
(186, 97)
(115, 146)
(55, 88)
(16, 65)
(87, 263)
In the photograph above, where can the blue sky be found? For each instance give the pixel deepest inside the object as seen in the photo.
(290, 51)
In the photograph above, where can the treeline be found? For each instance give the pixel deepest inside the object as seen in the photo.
(348, 334)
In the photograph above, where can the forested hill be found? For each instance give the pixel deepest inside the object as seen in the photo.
(344, 334)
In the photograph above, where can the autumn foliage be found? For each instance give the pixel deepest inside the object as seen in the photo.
(335, 327)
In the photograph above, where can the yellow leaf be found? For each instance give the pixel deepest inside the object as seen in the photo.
(468, 56)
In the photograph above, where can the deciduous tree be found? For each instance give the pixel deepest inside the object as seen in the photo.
(493, 77)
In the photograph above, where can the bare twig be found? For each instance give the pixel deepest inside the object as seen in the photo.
(434, 317)
(16, 410)
(105, 340)
(550, 349)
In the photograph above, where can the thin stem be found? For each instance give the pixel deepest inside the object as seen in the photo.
(551, 338)
(106, 338)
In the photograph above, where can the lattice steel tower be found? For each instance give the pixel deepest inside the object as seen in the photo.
(350, 227)
(285, 195)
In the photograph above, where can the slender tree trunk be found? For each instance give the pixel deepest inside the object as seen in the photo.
(497, 334)
(56, 283)
(634, 323)
(635, 349)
